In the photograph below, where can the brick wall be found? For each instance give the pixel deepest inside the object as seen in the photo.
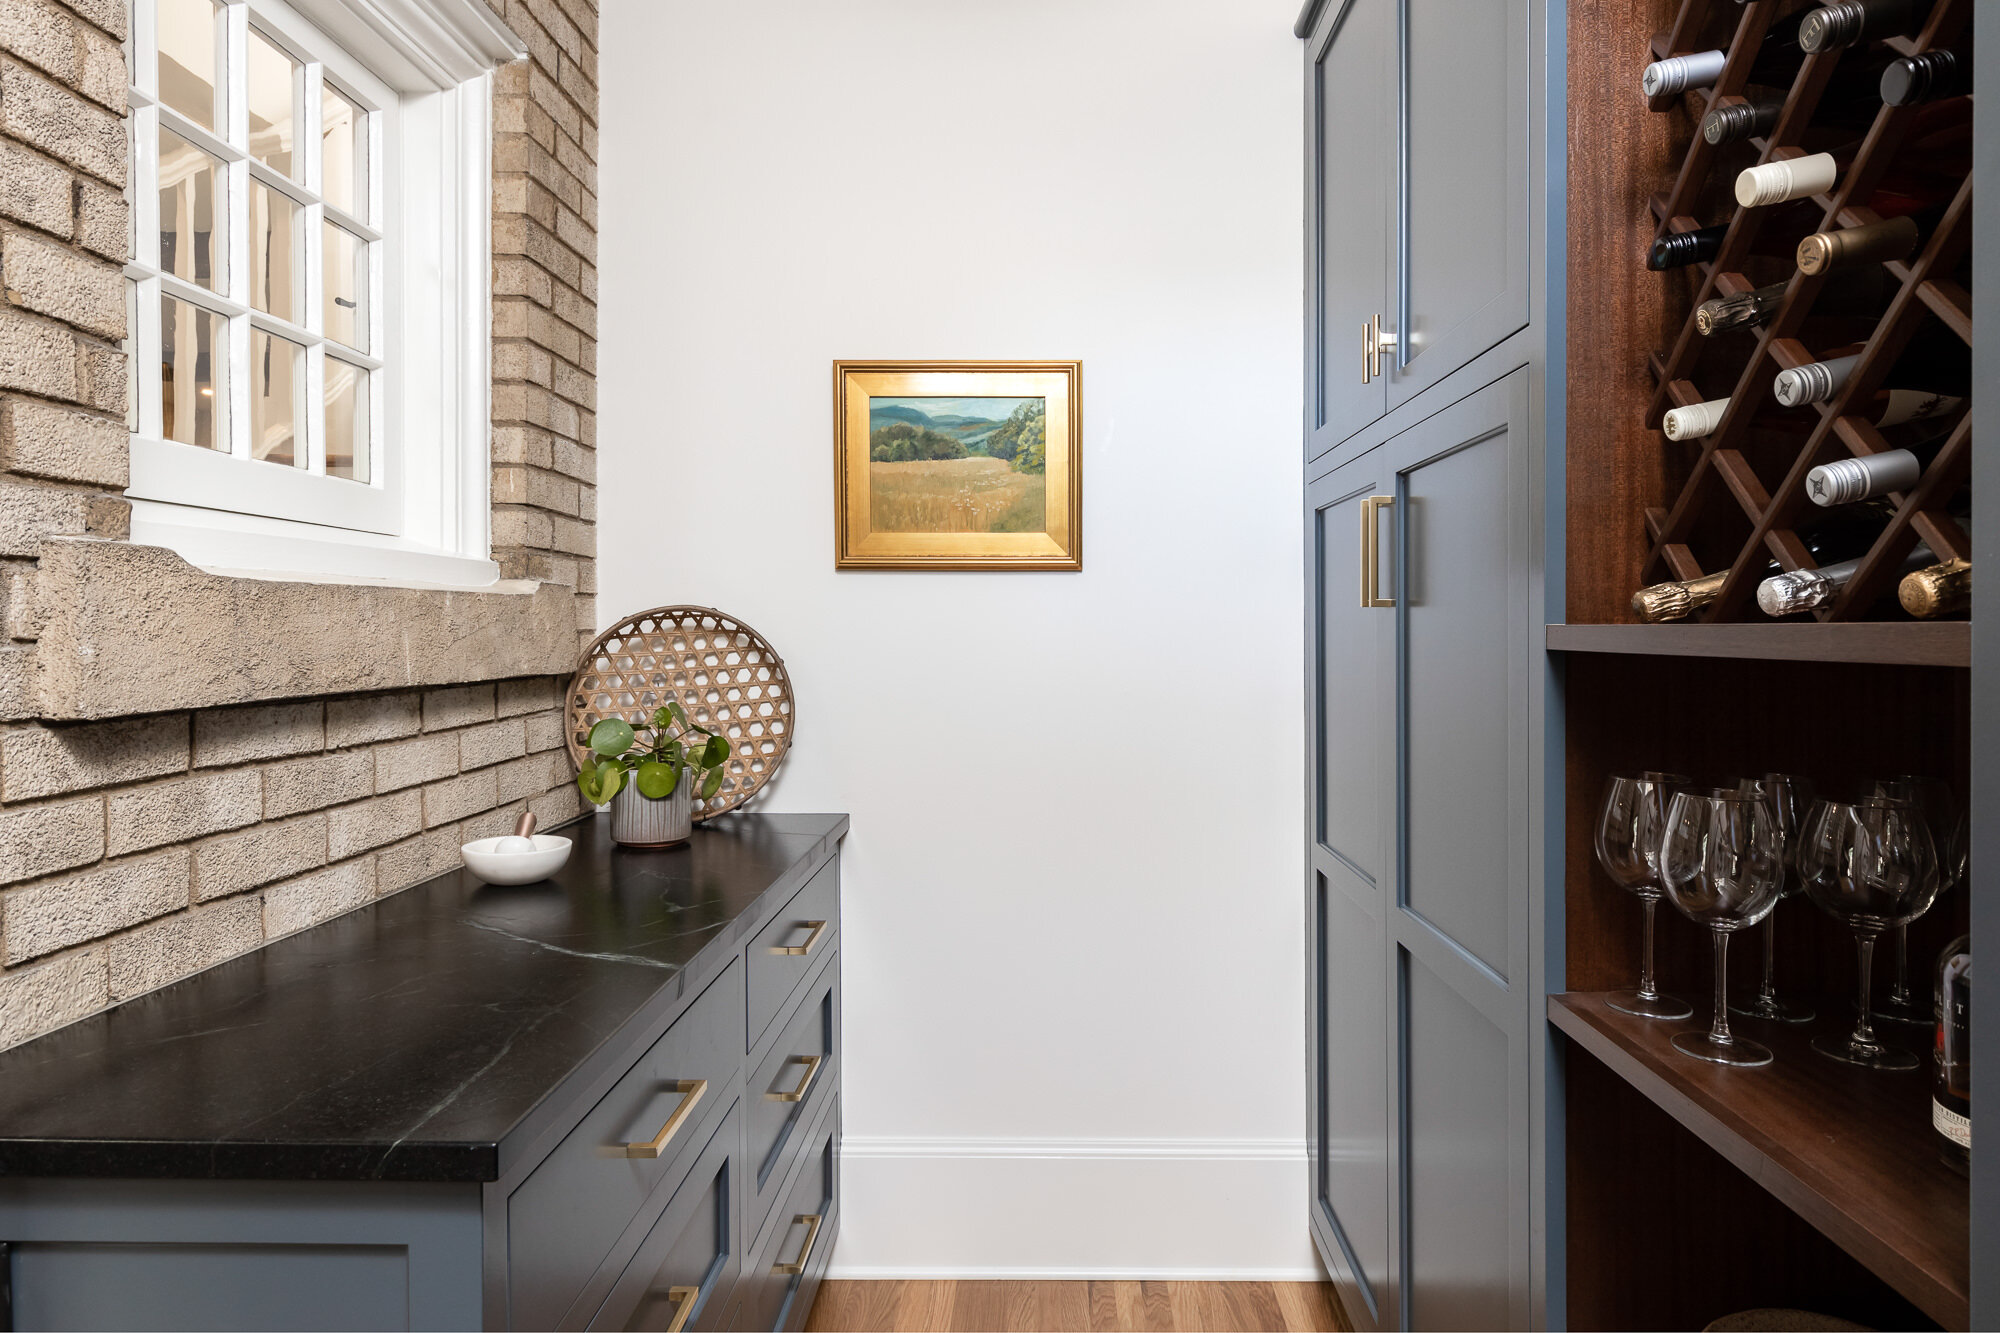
(136, 851)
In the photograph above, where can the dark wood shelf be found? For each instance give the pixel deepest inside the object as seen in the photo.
(1849, 1150)
(1946, 643)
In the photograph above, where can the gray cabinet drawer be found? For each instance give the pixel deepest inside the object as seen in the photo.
(784, 1094)
(789, 949)
(563, 1219)
(685, 1270)
(778, 1280)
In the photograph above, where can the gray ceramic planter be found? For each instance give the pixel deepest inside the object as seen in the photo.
(641, 821)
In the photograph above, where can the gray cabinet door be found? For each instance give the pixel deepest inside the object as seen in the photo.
(1351, 755)
(1463, 146)
(1456, 951)
(1350, 199)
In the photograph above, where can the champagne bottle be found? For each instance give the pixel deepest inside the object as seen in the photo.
(1778, 60)
(1849, 480)
(1929, 77)
(1845, 22)
(1937, 590)
(1803, 589)
(1951, 1078)
(1843, 532)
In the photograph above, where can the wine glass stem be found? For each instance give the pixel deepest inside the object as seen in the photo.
(1770, 991)
(1864, 1028)
(1647, 991)
(1719, 1030)
(1900, 992)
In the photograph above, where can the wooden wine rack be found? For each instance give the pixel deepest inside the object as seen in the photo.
(1724, 477)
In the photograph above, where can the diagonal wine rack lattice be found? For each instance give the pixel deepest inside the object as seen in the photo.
(1728, 481)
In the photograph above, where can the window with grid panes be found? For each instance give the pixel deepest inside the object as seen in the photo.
(273, 292)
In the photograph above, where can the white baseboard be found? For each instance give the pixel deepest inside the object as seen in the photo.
(1070, 1209)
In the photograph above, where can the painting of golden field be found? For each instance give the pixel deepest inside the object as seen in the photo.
(957, 464)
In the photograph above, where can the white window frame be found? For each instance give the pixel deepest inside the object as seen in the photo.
(423, 67)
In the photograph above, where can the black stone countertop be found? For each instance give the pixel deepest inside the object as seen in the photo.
(413, 1039)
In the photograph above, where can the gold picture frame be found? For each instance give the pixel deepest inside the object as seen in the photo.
(958, 464)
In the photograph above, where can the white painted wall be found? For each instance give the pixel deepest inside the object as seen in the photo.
(1073, 933)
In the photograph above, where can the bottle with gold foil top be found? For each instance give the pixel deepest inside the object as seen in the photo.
(1951, 1076)
(1676, 600)
(1937, 590)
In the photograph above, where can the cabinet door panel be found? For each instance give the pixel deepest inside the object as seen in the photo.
(1350, 194)
(1351, 647)
(1351, 1076)
(1464, 228)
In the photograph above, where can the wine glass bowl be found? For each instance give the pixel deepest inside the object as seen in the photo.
(1631, 819)
(1868, 861)
(1940, 810)
(1789, 797)
(1722, 865)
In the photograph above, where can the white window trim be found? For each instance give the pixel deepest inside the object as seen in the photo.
(435, 58)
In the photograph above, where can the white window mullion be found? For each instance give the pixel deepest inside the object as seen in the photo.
(147, 353)
(309, 133)
(315, 317)
(146, 186)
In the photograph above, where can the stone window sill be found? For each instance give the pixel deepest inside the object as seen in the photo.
(127, 629)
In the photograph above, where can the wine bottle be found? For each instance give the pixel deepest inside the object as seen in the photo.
(1677, 249)
(1951, 1078)
(1777, 63)
(1870, 243)
(1848, 480)
(1937, 590)
(1803, 589)
(1934, 362)
(1929, 166)
(1695, 420)
(1856, 292)
(1849, 101)
(1841, 23)
(1792, 178)
(1930, 76)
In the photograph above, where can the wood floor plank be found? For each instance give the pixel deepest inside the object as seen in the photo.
(1076, 1307)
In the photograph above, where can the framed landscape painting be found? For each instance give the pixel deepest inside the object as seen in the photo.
(958, 464)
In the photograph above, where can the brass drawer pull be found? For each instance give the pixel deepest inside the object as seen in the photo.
(798, 1094)
(801, 950)
(1371, 574)
(683, 1299)
(691, 1091)
(805, 1251)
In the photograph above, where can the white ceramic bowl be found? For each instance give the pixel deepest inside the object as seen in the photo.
(515, 867)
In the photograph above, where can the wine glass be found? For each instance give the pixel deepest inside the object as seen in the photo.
(1789, 798)
(1868, 861)
(1722, 864)
(1934, 801)
(1630, 821)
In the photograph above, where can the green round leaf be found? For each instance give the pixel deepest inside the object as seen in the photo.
(660, 718)
(714, 752)
(599, 782)
(656, 780)
(711, 784)
(612, 737)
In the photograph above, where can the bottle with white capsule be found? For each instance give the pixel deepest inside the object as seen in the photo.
(1695, 420)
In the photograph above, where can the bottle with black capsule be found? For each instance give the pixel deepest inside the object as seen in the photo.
(1930, 76)
(1839, 23)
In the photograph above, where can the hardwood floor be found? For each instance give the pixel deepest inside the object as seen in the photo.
(1076, 1307)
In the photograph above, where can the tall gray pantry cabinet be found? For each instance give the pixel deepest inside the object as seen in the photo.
(1426, 133)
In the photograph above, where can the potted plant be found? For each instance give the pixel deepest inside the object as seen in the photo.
(650, 775)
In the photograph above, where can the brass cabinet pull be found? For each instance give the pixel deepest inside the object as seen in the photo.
(683, 1299)
(801, 950)
(691, 1091)
(798, 1094)
(1371, 584)
(805, 1251)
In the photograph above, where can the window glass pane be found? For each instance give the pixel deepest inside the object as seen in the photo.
(346, 420)
(192, 391)
(273, 99)
(277, 375)
(344, 287)
(190, 243)
(343, 162)
(187, 59)
(274, 267)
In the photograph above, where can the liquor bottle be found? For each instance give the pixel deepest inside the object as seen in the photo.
(1929, 77)
(1777, 63)
(1841, 23)
(1803, 589)
(1937, 590)
(1849, 480)
(1951, 1078)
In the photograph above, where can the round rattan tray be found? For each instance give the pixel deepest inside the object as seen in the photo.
(722, 672)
